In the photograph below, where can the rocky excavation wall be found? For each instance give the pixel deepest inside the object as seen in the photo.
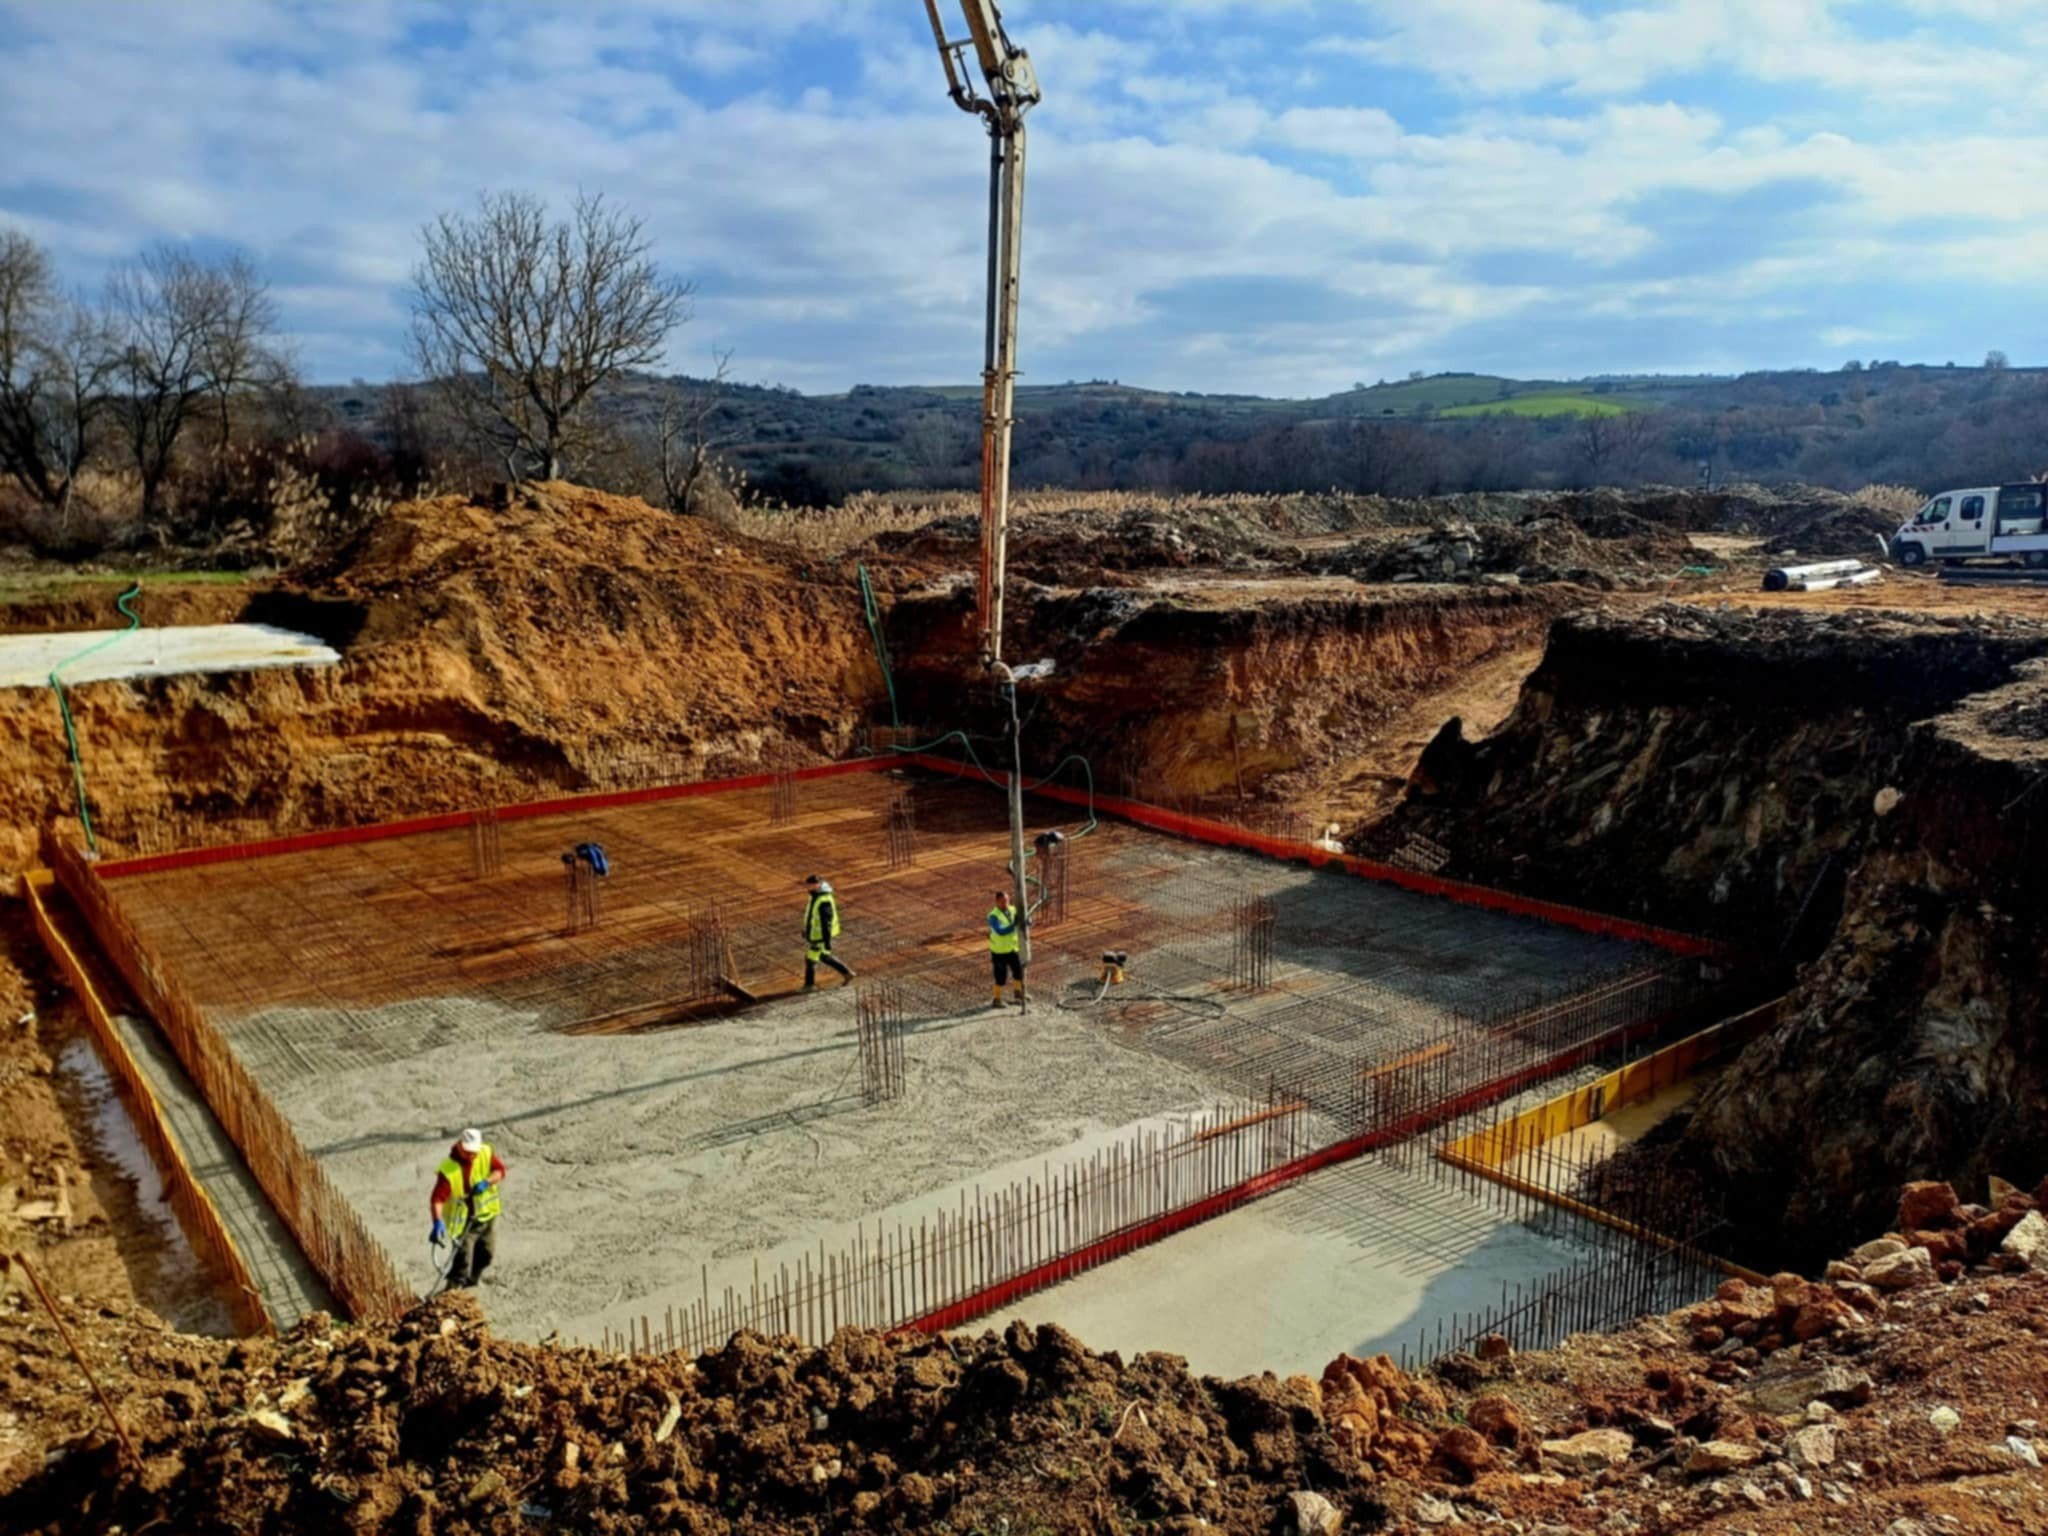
(1174, 699)
(1854, 788)
(1915, 1046)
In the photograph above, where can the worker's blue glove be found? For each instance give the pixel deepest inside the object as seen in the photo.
(440, 1233)
(480, 1186)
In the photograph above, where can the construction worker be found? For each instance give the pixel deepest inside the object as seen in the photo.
(467, 1185)
(1004, 930)
(821, 927)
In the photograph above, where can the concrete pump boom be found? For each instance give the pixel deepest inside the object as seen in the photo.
(1012, 90)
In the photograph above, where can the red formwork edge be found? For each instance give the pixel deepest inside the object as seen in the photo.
(1117, 1244)
(1222, 834)
(446, 821)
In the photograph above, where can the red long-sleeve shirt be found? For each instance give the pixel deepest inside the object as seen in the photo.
(443, 1194)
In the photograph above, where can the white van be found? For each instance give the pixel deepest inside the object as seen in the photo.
(2010, 521)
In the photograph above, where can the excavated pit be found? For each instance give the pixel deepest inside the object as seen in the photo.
(386, 992)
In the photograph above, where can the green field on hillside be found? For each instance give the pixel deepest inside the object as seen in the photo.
(1549, 405)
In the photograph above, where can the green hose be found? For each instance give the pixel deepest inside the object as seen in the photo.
(64, 707)
(874, 617)
(1001, 781)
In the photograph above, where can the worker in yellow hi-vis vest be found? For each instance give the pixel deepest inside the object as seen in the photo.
(1005, 928)
(465, 1206)
(821, 927)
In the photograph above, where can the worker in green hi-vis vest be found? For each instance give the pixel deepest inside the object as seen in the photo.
(1005, 930)
(465, 1206)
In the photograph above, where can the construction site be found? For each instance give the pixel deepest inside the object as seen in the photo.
(1054, 1011)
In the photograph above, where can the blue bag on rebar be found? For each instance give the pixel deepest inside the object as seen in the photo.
(593, 855)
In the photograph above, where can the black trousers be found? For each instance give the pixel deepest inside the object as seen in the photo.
(474, 1251)
(1008, 964)
(811, 967)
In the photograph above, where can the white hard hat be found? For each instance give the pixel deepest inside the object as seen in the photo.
(470, 1139)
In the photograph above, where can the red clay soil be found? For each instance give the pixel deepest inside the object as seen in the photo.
(1903, 1389)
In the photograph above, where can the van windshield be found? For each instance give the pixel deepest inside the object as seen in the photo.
(1935, 511)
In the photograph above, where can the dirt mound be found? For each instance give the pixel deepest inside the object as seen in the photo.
(1854, 529)
(1075, 546)
(564, 640)
(1599, 546)
(433, 1425)
(1902, 1383)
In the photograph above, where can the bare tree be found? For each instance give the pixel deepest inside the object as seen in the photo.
(56, 360)
(1996, 361)
(519, 320)
(191, 333)
(686, 441)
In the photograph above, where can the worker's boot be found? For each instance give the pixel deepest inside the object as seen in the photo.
(810, 975)
(1018, 989)
(995, 999)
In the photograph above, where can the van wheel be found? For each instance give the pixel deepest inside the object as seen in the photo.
(1912, 554)
(2036, 558)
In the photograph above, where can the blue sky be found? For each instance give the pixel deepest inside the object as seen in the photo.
(1271, 196)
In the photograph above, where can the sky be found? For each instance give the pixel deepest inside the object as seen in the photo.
(1279, 197)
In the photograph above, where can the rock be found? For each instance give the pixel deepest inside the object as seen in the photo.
(1717, 1456)
(1812, 1447)
(1945, 1420)
(1431, 1510)
(1464, 1450)
(2000, 1189)
(1314, 1515)
(1495, 1347)
(271, 1424)
(2028, 1241)
(294, 1392)
(1754, 1495)
(484, 1487)
(1902, 1271)
(1927, 1203)
(2023, 1448)
(1841, 1387)
(1875, 1249)
(1905, 1527)
(1824, 1314)
(1498, 1419)
(1789, 1292)
(1941, 1246)
(1593, 1450)
(1837, 1270)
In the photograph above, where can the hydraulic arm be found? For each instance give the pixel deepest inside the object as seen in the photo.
(1009, 90)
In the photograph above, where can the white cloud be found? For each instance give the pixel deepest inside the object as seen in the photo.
(834, 210)
(1518, 47)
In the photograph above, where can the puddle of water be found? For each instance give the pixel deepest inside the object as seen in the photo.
(166, 1273)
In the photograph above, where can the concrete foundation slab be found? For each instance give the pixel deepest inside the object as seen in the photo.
(152, 651)
(1360, 1259)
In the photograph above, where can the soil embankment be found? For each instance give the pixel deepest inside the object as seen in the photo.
(565, 640)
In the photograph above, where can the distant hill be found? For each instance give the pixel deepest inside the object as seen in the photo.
(1446, 432)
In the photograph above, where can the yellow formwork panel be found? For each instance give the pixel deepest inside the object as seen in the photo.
(1487, 1152)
